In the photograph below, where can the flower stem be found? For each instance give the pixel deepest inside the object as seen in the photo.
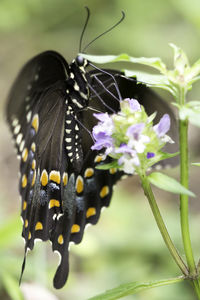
(183, 141)
(161, 225)
(196, 287)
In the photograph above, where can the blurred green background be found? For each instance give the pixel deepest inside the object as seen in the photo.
(125, 245)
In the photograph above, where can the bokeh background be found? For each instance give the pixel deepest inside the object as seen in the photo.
(125, 245)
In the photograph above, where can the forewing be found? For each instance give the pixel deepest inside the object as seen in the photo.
(37, 76)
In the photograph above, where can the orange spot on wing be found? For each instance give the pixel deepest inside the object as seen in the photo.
(35, 122)
(104, 191)
(24, 205)
(24, 181)
(79, 184)
(60, 239)
(25, 154)
(91, 212)
(38, 226)
(112, 171)
(75, 228)
(44, 178)
(65, 178)
(89, 172)
(53, 203)
(55, 176)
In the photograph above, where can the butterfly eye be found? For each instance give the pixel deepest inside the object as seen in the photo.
(80, 60)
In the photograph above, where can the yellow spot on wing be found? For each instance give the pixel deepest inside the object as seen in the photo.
(33, 164)
(38, 226)
(53, 203)
(26, 223)
(35, 122)
(112, 171)
(55, 176)
(79, 184)
(98, 158)
(24, 205)
(24, 181)
(29, 235)
(33, 147)
(65, 178)
(104, 191)
(89, 172)
(75, 228)
(44, 178)
(60, 239)
(91, 212)
(34, 177)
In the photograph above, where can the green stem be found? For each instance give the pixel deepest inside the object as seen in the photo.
(183, 141)
(161, 225)
(196, 287)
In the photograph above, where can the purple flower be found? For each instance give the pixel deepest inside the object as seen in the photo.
(150, 154)
(105, 124)
(102, 133)
(103, 141)
(134, 131)
(163, 126)
(134, 104)
(124, 148)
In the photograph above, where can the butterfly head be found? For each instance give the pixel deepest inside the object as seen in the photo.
(81, 62)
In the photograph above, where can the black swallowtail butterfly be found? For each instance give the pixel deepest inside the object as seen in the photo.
(50, 113)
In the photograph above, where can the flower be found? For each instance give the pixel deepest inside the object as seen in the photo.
(102, 133)
(133, 104)
(163, 126)
(130, 137)
(150, 154)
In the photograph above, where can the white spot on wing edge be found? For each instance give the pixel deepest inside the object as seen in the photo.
(28, 116)
(17, 129)
(15, 122)
(59, 256)
(70, 244)
(19, 138)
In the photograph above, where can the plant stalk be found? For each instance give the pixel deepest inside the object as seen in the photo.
(184, 178)
(161, 225)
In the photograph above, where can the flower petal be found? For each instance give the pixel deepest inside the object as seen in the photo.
(163, 126)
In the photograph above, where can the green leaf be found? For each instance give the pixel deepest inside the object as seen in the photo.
(169, 184)
(11, 286)
(191, 113)
(133, 288)
(149, 79)
(108, 166)
(154, 62)
(180, 59)
(196, 164)
(194, 70)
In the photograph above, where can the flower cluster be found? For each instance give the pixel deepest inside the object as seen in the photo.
(130, 137)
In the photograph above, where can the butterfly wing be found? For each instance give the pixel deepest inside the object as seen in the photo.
(37, 75)
(57, 202)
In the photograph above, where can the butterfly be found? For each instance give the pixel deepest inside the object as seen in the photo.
(50, 113)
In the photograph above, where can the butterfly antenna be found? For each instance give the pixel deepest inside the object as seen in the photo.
(109, 29)
(84, 28)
